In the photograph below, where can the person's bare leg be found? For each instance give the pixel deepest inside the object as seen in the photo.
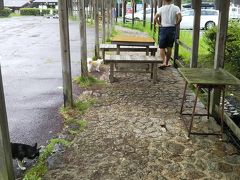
(163, 55)
(168, 55)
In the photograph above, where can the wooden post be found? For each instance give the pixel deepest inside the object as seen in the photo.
(133, 7)
(1, 4)
(196, 29)
(103, 22)
(151, 26)
(108, 20)
(124, 3)
(111, 16)
(96, 17)
(65, 53)
(6, 166)
(70, 7)
(144, 12)
(220, 46)
(176, 45)
(83, 39)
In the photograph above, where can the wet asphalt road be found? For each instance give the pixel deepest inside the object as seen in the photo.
(32, 74)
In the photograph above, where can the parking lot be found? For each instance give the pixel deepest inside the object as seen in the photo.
(32, 74)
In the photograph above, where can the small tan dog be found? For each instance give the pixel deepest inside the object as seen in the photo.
(94, 65)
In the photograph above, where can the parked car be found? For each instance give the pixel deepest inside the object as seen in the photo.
(209, 18)
(139, 15)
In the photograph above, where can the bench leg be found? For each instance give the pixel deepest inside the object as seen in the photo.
(151, 70)
(111, 75)
(147, 50)
(103, 55)
(154, 72)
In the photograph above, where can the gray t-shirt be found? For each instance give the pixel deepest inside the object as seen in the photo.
(168, 15)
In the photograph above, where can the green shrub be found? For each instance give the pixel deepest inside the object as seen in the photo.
(45, 11)
(30, 11)
(232, 50)
(5, 12)
(55, 11)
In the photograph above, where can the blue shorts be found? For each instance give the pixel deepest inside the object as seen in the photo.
(166, 37)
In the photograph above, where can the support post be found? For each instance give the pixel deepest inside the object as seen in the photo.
(144, 12)
(196, 29)
(83, 38)
(103, 22)
(220, 46)
(151, 26)
(176, 45)
(96, 17)
(6, 166)
(65, 53)
(1, 4)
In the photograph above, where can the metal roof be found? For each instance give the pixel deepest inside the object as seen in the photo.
(45, 1)
(15, 3)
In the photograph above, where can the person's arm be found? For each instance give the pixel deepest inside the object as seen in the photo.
(157, 19)
(178, 18)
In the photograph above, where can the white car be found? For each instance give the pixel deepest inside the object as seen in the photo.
(209, 18)
(139, 15)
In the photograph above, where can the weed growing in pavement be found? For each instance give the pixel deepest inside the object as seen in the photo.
(37, 171)
(88, 81)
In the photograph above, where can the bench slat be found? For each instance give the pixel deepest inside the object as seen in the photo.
(131, 59)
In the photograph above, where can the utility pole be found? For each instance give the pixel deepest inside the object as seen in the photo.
(6, 166)
(65, 53)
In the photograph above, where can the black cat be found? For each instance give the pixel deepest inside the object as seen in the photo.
(21, 151)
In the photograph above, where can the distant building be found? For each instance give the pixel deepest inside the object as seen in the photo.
(45, 4)
(16, 4)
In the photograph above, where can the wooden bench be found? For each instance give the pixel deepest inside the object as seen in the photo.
(114, 59)
(113, 47)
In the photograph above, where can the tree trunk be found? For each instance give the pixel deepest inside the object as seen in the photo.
(83, 39)
(96, 17)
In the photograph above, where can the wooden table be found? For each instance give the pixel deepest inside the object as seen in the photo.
(133, 41)
(209, 79)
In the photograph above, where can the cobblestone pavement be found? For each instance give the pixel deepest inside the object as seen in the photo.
(134, 131)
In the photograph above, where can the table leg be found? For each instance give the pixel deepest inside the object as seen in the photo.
(208, 102)
(222, 113)
(184, 96)
(154, 72)
(193, 112)
(111, 75)
(103, 55)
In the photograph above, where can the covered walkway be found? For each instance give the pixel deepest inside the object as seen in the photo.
(134, 131)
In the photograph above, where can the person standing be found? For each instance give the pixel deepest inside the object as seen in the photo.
(168, 17)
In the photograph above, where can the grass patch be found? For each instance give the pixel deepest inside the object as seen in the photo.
(79, 108)
(37, 171)
(204, 57)
(88, 81)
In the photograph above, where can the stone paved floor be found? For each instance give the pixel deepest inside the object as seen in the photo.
(134, 131)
